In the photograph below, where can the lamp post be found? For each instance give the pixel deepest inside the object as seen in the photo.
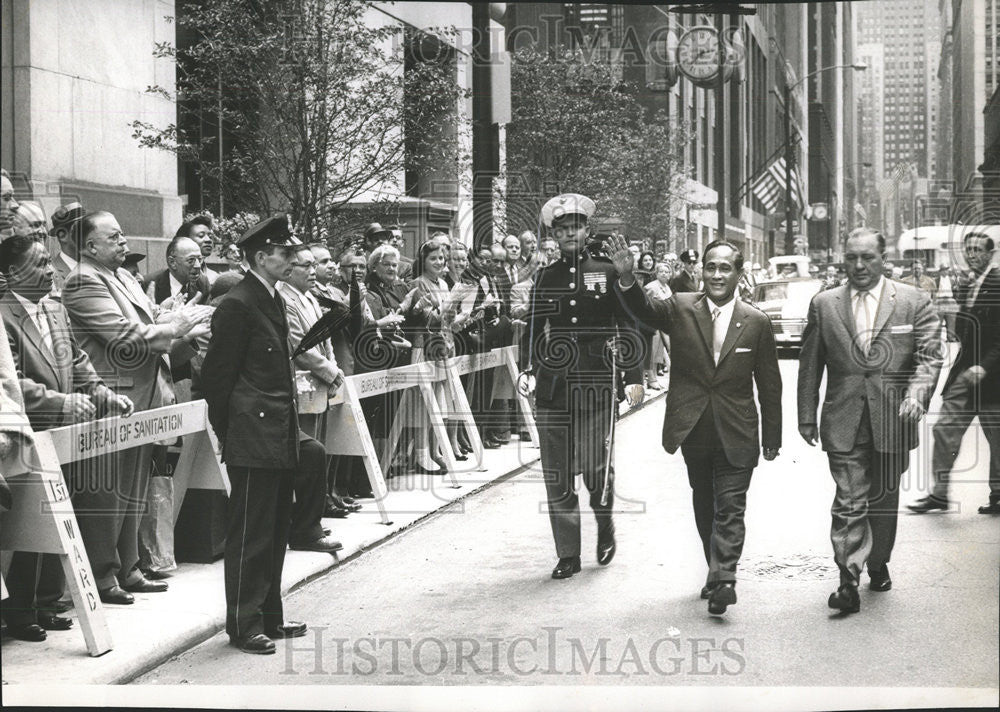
(790, 154)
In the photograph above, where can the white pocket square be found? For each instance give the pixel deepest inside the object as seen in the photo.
(743, 351)
(901, 329)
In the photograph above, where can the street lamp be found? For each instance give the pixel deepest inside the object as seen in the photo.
(790, 154)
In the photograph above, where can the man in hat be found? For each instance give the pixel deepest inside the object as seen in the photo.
(65, 226)
(249, 385)
(132, 260)
(686, 279)
(575, 327)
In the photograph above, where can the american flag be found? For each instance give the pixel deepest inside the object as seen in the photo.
(891, 182)
(769, 187)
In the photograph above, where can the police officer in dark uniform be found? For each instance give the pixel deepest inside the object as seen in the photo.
(686, 280)
(249, 386)
(575, 323)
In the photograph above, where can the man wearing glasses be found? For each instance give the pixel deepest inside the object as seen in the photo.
(973, 385)
(184, 278)
(128, 343)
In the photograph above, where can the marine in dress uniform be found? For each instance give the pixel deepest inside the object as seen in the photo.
(250, 390)
(573, 315)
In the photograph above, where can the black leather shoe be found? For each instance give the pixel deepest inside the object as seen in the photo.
(54, 622)
(927, 504)
(606, 546)
(566, 567)
(845, 599)
(154, 575)
(880, 579)
(144, 585)
(116, 595)
(491, 444)
(722, 596)
(991, 508)
(706, 591)
(258, 644)
(291, 629)
(335, 513)
(30, 632)
(324, 544)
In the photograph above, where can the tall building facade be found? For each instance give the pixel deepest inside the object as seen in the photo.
(776, 52)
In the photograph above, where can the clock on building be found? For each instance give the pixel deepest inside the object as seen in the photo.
(698, 55)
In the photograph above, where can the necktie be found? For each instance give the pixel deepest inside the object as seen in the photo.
(863, 320)
(718, 335)
(42, 323)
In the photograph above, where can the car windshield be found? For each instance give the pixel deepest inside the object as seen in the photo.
(783, 291)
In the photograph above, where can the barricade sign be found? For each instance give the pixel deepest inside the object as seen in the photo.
(43, 520)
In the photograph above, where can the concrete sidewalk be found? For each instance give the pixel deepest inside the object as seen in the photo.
(160, 625)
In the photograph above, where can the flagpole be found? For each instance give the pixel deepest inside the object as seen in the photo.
(789, 157)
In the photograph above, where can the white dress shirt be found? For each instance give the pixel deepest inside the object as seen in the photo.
(720, 324)
(38, 317)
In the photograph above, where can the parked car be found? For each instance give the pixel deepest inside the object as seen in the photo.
(786, 303)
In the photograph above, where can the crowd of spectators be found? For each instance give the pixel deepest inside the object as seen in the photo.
(92, 335)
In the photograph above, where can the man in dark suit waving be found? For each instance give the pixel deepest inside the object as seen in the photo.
(879, 342)
(720, 348)
(250, 389)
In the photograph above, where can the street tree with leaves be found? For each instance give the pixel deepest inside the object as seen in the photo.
(577, 127)
(318, 105)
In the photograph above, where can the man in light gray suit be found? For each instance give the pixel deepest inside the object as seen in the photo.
(116, 326)
(879, 342)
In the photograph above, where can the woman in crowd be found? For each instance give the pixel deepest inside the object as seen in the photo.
(645, 271)
(656, 350)
(382, 343)
(428, 343)
(233, 256)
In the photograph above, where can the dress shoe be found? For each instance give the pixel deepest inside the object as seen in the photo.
(258, 644)
(566, 567)
(991, 508)
(363, 494)
(31, 632)
(324, 544)
(54, 622)
(117, 595)
(722, 596)
(845, 599)
(927, 504)
(154, 575)
(490, 444)
(706, 591)
(335, 512)
(141, 584)
(606, 546)
(420, 470)
(460, 457)
(350, 504)
(880, 579)
(291, 629)
(524, 436)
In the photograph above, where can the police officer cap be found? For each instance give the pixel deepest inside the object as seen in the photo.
(274, 231)
(65, 217)
(375, 231)
(567, 204)
(689, 257)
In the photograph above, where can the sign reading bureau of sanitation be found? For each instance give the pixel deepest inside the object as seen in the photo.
(98, 437)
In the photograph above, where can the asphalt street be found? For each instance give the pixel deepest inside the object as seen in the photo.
(465, 597)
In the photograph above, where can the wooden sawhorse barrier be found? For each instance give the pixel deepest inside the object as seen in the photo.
(43, 520)
(347, 430)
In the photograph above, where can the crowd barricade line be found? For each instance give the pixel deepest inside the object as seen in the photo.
(43, 519)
